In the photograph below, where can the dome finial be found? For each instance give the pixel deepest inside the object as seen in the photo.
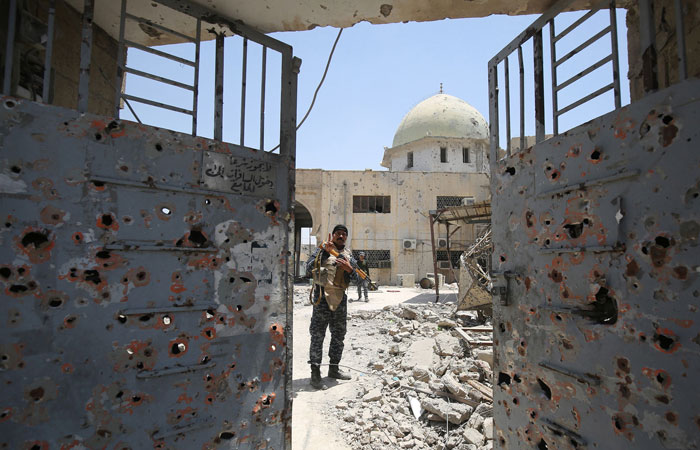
(441, 88)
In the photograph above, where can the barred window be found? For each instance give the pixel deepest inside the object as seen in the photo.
(371, 204)
(441, 255)
(376, 259)
(447, 201)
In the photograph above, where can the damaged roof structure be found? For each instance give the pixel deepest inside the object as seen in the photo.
(147, 273)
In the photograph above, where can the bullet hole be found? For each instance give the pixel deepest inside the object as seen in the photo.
(9, 104)
(246, 280)
(35, 238)
(227, 435)
(124, 168)
(98, 136)
(146, 317)
(662, 241)
(92, 276)
(121, 318)
(18, 288)
(166, 320)
(208, 333)
(556, 276)
(624, 390)
(545, 389)
(207, 202)
(502, 327)
(567, 344)
(663, 341)
(204, 360)
(209, 314)
(5, 272)
(159, 147)
(197, 238)
(147, 352)
(671, 417)
(503, 258)
(55, 302)
(595, 156)
(623, 364)
(140, 276)
(8, 225)
(37, 394)
(135, 398)
(239, 307)
(503, 378)
(502, 441)
(270, 208)
(528, 219)
(166, 211)
(604, 308)
(547, 242)
(98, 184)
(680, 272)
(510, 171)
(574, 230)
(104, 433)
(273, 348)
(618, 423)
(15, 169)
(558, 317)
(517, 378)
(542, 445)
(662, 399)
(177, 348)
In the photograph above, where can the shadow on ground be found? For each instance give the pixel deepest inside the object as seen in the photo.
(429, 297)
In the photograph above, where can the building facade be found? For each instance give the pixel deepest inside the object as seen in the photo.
(438, 159)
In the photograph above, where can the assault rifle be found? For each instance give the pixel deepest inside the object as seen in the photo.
(330, 248)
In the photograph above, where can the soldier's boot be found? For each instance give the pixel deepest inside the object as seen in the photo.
(335, 372)
(316, 382)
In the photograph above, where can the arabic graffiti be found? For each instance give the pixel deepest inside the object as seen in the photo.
(238, 175)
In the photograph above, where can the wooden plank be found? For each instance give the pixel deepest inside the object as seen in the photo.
(485, 390)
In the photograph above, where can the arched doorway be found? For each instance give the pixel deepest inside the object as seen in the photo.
(302, 221)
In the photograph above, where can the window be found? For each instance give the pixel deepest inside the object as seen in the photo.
(376, 259)
(465, 154)
(441, 255)
(409, 160)
(455, 200)
(371, 204)
(443, 154)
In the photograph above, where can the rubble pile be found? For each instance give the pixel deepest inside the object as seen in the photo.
(422, 387)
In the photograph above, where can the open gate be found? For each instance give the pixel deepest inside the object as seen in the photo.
(146, 288)
(596, 287)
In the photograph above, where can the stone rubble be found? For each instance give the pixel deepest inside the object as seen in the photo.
(414, 352)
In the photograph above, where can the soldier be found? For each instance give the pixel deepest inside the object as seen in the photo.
(331, 276)
(362, 284)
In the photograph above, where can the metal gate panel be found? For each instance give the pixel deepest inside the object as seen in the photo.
(145, 288)
(596, 293)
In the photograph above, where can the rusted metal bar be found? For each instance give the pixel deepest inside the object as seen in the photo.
(582, 46)
(85, 55)
(121, 56)
(555, 90)
(581, 378)
(46, 91)
(584, 72)
(579, 21)
(158, 104)
(158, 78)
(538, 59)
(583, 100)
(147, 22)
(647, 40)
(156, 52)
(493, 110)
(128, 104)
(288, 106)
(9, 48)
(195, 81)
(521, 70)
(431, 218)
(680, 37)
(263, 78)
(219, 88)
(507, 81)
(244, 74)
(615, 54)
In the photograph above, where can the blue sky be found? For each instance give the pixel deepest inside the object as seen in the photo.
(378, 73)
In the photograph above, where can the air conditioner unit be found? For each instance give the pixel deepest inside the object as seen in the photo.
(442, 243)
(409, 244)
(444, 265)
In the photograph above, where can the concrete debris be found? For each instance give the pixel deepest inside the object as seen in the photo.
(418, 382)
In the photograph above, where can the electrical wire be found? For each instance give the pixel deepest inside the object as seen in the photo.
(318, 88)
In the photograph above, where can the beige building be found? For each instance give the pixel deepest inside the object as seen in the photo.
(438, 158)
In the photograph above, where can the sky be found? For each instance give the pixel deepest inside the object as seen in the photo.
(377, 74)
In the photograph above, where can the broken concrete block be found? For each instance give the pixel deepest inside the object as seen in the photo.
(342, 405)
(447, 345)
(484, 355)
(472, 436)
(408, 313)
(349, 417)
(456, 413)
(475, 421)
(447, 323)
(454, 386)
(407, 444)
(419, 354)
(488, 428)
(421, 374)
(372, 396)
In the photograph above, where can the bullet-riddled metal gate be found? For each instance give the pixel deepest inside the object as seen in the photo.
(596, 287)
(146, 299)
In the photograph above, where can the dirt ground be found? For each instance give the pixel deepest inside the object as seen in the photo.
(315, 422)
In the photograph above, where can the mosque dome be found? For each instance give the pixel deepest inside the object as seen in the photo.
(441, 115)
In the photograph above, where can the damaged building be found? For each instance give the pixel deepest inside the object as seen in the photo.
(146, 273)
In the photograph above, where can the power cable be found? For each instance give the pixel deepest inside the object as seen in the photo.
(318, 88)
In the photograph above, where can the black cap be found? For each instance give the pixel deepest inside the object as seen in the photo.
(340, 227)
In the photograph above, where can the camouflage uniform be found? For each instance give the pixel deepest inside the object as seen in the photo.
(323, 318)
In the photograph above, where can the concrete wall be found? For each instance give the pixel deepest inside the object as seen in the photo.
(66, 58)
(426, 155)
(328, 196)
(666, 44)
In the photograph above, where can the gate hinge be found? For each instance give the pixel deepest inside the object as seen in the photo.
(499, 285)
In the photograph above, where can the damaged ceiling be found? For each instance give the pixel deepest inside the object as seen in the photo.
(298, 15)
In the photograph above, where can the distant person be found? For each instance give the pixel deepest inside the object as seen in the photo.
(331, 276)
(362, 283)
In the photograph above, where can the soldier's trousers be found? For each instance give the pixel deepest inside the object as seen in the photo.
(321, 319)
